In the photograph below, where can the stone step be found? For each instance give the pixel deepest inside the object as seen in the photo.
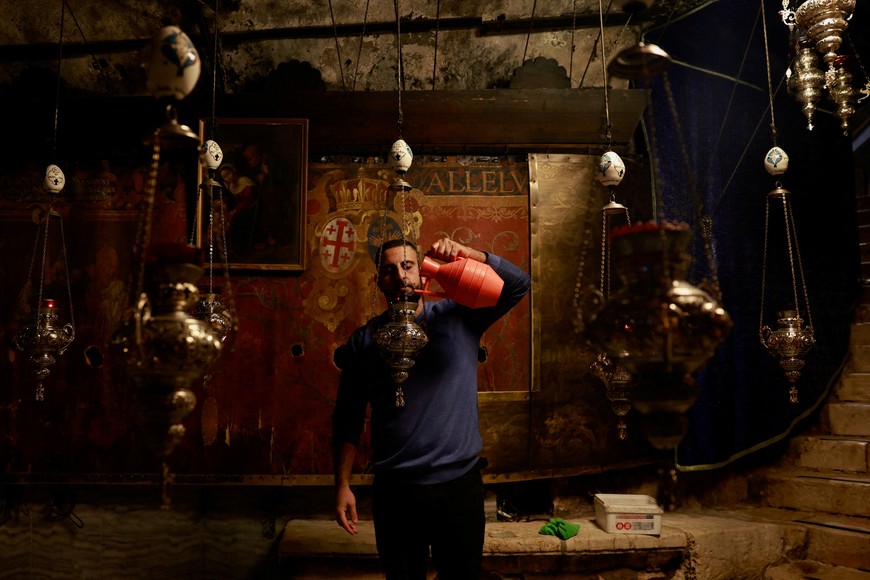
(838, 540)
(697, 543)
(808, 569)
(319, 549)
(829, 453)
(829, 539)
(860, 357)
(849, 418)
(815, 491)
(854, 387)
(860, 333)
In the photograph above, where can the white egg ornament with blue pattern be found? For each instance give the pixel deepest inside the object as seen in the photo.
(611, 169)
(776, 161)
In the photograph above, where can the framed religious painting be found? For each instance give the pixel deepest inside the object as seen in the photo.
(255, 215)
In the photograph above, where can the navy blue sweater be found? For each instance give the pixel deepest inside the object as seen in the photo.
(435, 437)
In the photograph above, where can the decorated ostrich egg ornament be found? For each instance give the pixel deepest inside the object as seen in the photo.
(776, 161)
(611, 169)
(211, 155)
(401, 157)
(172, 65)
(54, 180)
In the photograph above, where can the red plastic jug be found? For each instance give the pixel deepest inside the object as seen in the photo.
(468, 282)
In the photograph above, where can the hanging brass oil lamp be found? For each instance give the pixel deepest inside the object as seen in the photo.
(806, 80)
(824, 22)
(616, 379)
(617, 388)
(842, 92)
(399, 340)
(162, 347)
(792, 340)
(659, 327)
(46, 339)
(209, 307)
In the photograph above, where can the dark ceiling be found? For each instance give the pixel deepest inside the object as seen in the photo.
(340, 45)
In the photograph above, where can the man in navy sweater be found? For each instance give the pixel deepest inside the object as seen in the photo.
(428, 490)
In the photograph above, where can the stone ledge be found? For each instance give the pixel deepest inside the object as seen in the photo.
(323, 538)
(714, 543)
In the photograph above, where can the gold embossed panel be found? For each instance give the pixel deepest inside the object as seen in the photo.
(572, 423)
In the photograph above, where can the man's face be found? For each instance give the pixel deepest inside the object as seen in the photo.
(398, 270)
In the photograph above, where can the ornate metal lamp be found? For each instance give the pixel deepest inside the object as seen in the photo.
(162, 347)
(209, 307)
(400, 338)
(842, 92)
(45, 339)
(399, 341)
(659, 327)
(824, 23)
(806, 80)
(791, 341)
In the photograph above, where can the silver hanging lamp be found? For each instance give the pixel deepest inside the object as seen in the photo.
(792, 340)
(400, 338)
(45, 338)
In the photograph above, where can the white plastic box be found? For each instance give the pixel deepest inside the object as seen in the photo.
(628, 514)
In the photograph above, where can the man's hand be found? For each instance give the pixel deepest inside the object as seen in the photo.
(345, 509)
(447, 250)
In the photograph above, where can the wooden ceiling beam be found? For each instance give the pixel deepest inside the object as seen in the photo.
(452, 121)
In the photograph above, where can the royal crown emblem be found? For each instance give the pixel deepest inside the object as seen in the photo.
(360, 194)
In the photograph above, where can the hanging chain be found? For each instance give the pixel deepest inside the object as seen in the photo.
(400, 392)
(581, 266)
(143, 235)
(191, 239)
(228, 286)
(767, 63)
(608, 134)
(435, 57)
(35, 249)
(571, 54)
(801, 271)
(705, 223)
(529, 33)
(214, 71)
(866, 89)
(359, 46)
(605, 255)
(42, 270)
(380, 253)
(788, 236)
(337, 47)
(57, 87)
(211, 241)
(763, 274)
(72, 319)
(399, 79)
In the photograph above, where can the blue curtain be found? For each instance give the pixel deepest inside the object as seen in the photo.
(721, 131)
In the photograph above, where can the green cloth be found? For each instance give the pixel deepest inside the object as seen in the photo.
(560, 528)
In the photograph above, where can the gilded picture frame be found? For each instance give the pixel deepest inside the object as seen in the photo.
(258, 215)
